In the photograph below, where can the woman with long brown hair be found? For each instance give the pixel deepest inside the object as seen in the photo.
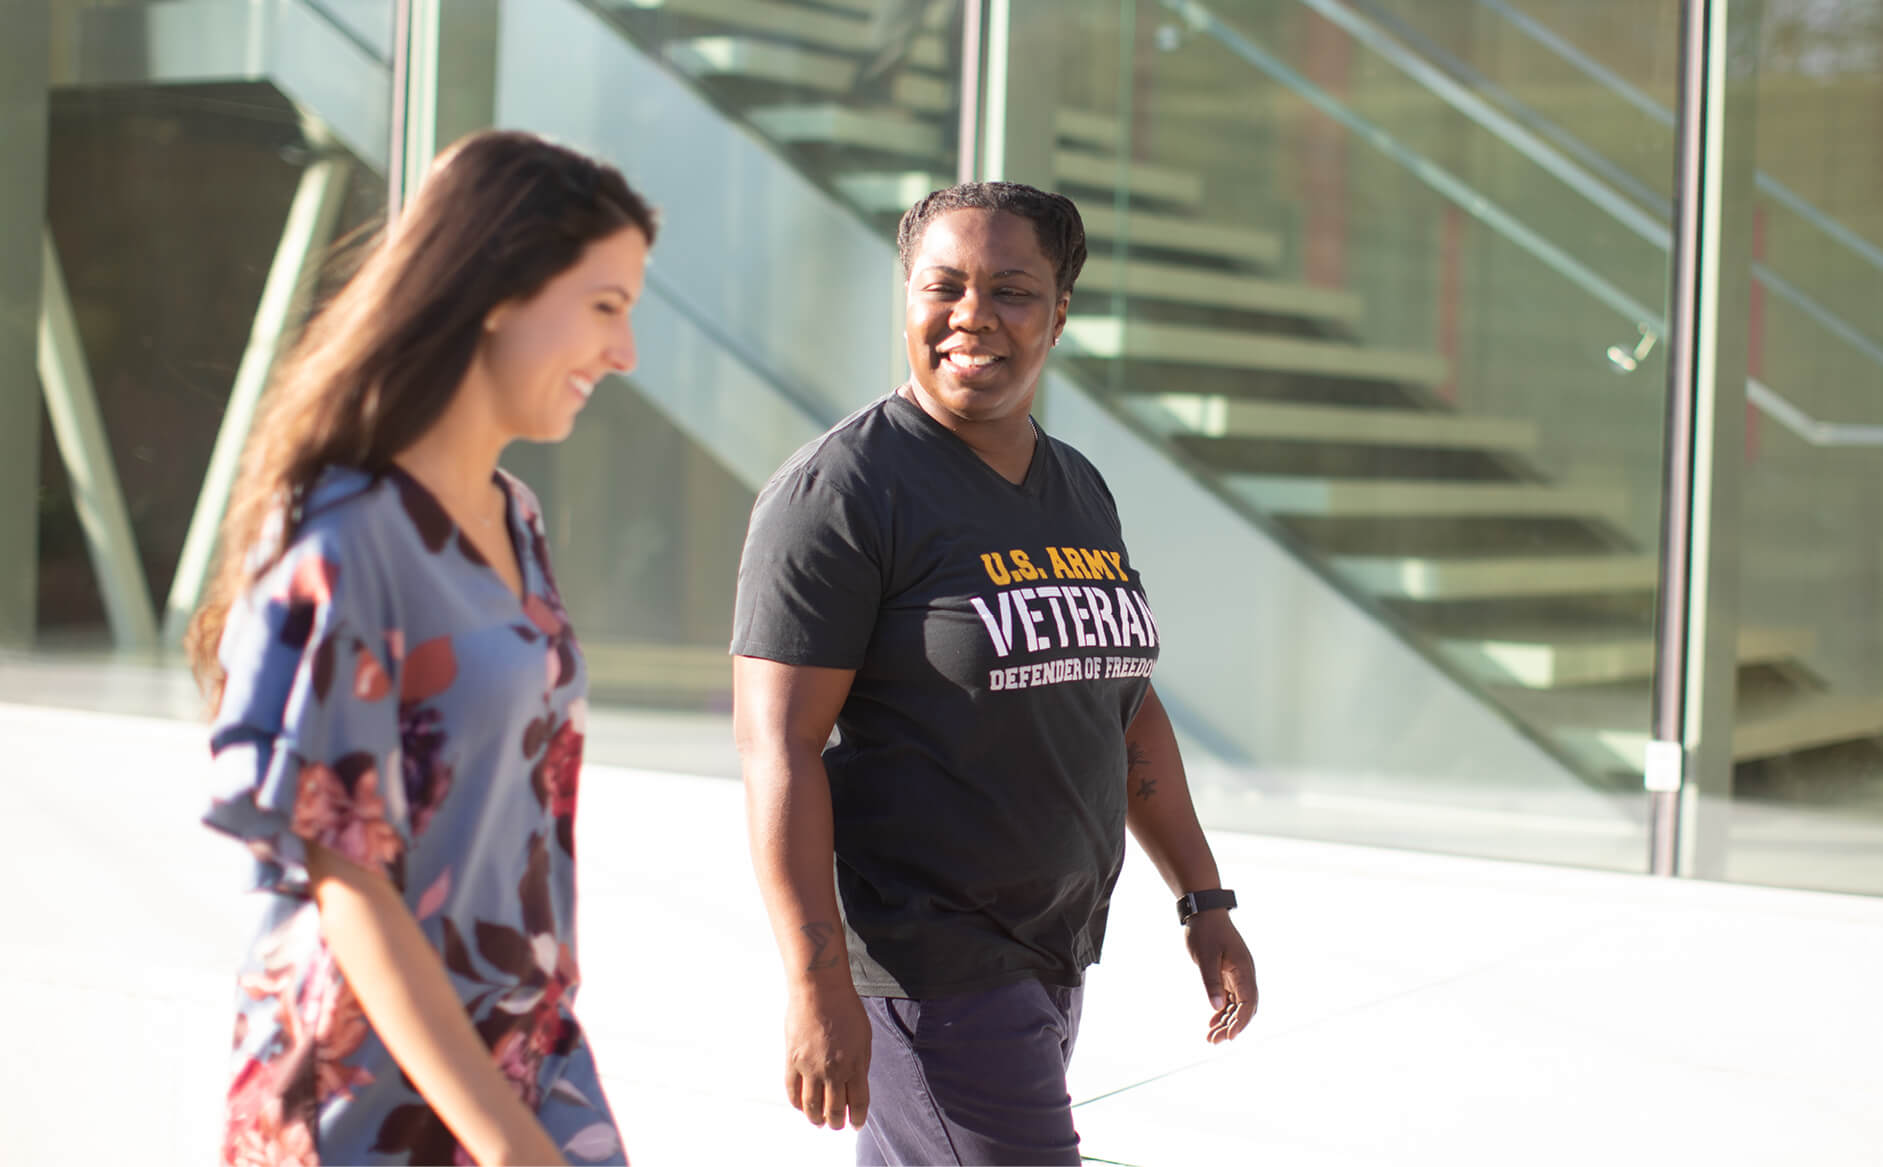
(399, 698)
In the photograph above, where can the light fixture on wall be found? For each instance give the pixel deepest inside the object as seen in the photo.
(1628, 360)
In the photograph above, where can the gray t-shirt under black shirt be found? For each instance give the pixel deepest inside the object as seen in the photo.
(1002, 643)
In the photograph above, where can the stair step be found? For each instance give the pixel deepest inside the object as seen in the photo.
(744, 56)
(1176, 283)
(1107, 336)
(1819, 720)
(1181, 234)
(1350, 498)
(1142, 179)
(1088, 128)
(1799, 723)
(922, 93)
(839, 125)
(1215, 416)
(784, 64)
(890, 193)
(847, 31)
(935, 17)
(859, 7)
(1549, 660)
(1499, 577)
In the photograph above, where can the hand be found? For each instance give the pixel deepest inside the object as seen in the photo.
(1228, 972)
(827, 1054)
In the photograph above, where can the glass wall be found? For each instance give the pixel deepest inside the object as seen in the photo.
(1808, 790)
(193, 171)
(1370, 346)
(1378, 281)
(780, 141)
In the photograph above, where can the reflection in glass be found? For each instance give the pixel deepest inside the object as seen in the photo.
(1385, 280)
(176, 155)
(1808, 790)
(1369, 344)
(770, 291)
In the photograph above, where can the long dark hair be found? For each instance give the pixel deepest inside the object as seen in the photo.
(498, 215)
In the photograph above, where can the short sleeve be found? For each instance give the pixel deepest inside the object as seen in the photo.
(306, 739)
(811, 576)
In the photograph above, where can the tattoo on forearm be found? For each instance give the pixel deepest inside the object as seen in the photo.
(1135, 760)
(826, 950)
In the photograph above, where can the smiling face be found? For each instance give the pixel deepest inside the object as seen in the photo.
(541, 357)
(981, 315)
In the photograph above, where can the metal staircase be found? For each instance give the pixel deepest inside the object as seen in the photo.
(1440, 522)
(1438, 530)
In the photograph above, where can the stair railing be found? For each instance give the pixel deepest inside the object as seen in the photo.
(1609, 79)
(376, 43)
(1812, 431)
(1652, 324)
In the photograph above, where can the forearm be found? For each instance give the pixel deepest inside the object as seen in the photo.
(407, 996)
(789, 818)
(1159, 811)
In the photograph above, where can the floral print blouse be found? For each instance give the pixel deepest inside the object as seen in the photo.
(389, 697)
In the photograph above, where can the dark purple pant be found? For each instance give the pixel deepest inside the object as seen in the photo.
(978, 1078)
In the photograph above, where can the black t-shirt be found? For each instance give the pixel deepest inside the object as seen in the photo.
(1002, 643)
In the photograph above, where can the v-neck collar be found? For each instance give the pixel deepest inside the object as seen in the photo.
(517, 536)
(936, 431)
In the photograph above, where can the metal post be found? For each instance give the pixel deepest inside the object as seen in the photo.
(25, 54)
(304, 239)
(1664, 767)
(1689, 766)
(420, 95)
(1021, 96)
(86, 451)
(395, 150)
(466, 69)
(968, 139)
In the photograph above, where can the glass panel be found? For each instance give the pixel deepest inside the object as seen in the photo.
(860, 95)
(1377, 282)
(782, 139)
(781, 142)
(179, 138)
(1808, 800)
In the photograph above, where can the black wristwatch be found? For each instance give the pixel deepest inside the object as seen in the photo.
(1203, 901)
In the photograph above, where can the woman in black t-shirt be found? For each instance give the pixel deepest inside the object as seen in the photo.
(948, 588)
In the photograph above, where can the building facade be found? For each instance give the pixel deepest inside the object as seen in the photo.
(1492, 389)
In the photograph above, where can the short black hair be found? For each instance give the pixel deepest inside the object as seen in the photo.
(1054, 217)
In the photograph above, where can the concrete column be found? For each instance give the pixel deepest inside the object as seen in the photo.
(24, 55)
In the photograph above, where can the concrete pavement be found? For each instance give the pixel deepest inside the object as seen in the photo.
(1416, 1009)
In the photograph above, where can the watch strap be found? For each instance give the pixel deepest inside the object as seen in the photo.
(1190, 903)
